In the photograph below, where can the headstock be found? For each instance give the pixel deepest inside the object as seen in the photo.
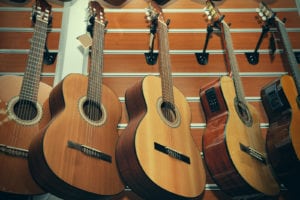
(154, 12)
(42, 11)
(96, 12)
(265, 12)
(213, 14)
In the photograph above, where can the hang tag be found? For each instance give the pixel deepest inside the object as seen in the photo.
(85, 40)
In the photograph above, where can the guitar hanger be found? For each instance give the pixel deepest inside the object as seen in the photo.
(253, 57)
(202, 57)
(151, 57)
(49, 57)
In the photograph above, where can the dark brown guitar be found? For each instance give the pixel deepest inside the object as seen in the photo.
(156, 154)
(233, 146)
(21, 113)
(74, 156)
(281, 100)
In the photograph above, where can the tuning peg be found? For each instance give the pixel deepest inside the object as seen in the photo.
(209, 17)
(206, 12)
(147, 12)
(264, 18)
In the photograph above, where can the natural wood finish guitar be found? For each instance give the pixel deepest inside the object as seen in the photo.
(75, 154)
(233, 146)
(156, 155)
(21, 112)
(281, 100)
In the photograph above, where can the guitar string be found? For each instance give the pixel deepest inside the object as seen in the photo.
(30, 81)
(252, 139)
(165, 71)
(294, 69)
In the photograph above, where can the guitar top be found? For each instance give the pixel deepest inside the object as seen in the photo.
(22, 113)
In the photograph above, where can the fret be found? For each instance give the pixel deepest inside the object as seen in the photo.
(96, 69)
(232, 63)
(164, 63)
(288, 51)
(30, 84)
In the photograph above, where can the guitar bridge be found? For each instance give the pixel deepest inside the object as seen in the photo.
(172, 153)
(89, 151)
(254, 153)
(14, 151)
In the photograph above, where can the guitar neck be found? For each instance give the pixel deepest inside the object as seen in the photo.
(95, 75)
(165, 63)
(231, 62)
(30, 84)
(294, 69)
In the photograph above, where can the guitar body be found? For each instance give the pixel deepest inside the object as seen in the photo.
(141, 155)
(235, 171)
(73, 173)
(14, 132)
(283, 139)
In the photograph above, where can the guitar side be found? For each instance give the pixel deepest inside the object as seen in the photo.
(283, 142)
(140, 154)
(68, 169)
(236, 172)
(14, 170)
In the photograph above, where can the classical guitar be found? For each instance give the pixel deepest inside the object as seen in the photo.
(22, 115)
(233, 146)
(74, 156)
(156, 154)
(281, 100)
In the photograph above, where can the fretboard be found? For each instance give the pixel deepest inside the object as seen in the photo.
(231, 62)
(288, 51)
(30, 84)
(95, 74)
(164, 63)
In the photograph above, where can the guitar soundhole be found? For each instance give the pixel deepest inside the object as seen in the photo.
(168, 110)
(243, 112)
(92, 110)
(25, 110)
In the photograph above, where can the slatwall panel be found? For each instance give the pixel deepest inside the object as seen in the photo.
(127, 39)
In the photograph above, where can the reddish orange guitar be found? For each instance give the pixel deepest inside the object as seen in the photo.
(233, 146)
(156, 154)
(21, 112)
(281, 100)
(74, 156)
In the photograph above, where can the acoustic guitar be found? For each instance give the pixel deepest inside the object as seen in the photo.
(156, 154)
(233, 146)
(74, 156)
(22, 115)
(281, 100)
